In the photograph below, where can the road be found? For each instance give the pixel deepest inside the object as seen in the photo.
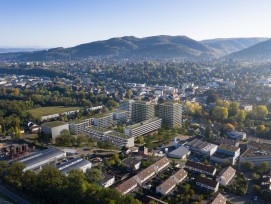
(13, 196)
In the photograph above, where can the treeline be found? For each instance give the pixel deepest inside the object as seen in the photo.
(51, 186)
(35, 72)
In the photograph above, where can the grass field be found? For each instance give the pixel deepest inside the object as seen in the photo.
(42, 111)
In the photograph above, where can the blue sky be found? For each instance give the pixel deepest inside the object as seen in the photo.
(51, 23)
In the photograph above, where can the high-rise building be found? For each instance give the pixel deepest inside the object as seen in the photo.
(127, 106)
(142, 110)
(171, 114)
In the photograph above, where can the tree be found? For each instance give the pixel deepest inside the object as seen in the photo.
(233, 109)
(220, 113)
(264, 167)
(14, 174)
(261, 112)
(94, 176)
(29, 181)
(247, 166)
(228, 127)
(241, 115)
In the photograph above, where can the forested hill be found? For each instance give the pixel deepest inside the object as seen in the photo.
(162, 46)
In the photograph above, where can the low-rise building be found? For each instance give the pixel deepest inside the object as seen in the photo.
(103, 120)
(116, 138)
(226, 176)
(219, 199)
(202, 148)
(180, 140)
(108, 180)
(77, 163)
(171, 182)
(127, 186)
(226, 154)
(54, 128)
(179, 153)
(142, 150)
(131, 164)
(237, 135)
(256, 156)
(207, 184)
(200, 168)
(37, 160)
(143, 127)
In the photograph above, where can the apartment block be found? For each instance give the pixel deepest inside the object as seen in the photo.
(78, 126)
(143, 127)
(142, 110)
(126, 105)
(103, 120)
(171, 114)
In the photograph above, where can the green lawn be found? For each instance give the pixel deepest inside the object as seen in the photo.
(42, 111)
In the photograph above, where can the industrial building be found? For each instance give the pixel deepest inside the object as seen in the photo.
(202, 148)
(54, 128)
(142, 110)
(143, 127)
(116, 138)
(179, 153)
(77, 163)
(171, 114)
(103, 120)
(226, 154)
(38, 160)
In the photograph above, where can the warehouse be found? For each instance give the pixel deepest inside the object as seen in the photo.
(36, 161)
(77, 163)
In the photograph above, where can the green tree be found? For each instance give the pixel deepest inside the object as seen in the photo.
(94, 176)
(261, 111)
(220, 113)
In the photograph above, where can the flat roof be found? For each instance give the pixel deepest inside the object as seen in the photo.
(104, 115)
(256, 153)
(143, 123)
(54, 124)
(227, 147)
(79, 121)
(110, 132)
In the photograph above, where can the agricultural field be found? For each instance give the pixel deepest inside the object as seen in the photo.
(42, 111)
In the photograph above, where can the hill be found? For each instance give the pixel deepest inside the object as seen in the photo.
(162, 46)
(11, 49)
(230, 45)
(259, 51)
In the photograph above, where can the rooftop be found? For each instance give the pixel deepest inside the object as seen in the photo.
(219, 199)
(143, 123)
(126, 185)
(206, 181)
(227, 147)
(54, 124)
(256, 153)
(227, 173)
(200, 166)
(109, 114)
(72, 164)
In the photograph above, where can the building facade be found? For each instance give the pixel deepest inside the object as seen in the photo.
(171, 114)
(142, 110)
(105, 120)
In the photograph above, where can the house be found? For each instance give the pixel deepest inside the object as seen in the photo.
(171, 182)
(219, 199)
(226, 176)
(108, 180)
(207, 184)
(179, 153)
(200, 168)
(127, 186)
(131, 164)
(145, 175)
(143, 150)
(161, 164)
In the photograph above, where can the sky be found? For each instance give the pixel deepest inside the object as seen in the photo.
(66, 23)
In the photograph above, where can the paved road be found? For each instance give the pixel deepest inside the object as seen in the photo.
(13, 196)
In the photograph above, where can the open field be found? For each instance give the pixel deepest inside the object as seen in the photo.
(42, 111)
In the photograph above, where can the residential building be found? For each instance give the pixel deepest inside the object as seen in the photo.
(77, 163)
(37, 160)
(256, 156)
(126, 105)
(54, 128)
(207, 184)
(171, 114)
(142, 110)
(127, 186)
(226, 154)
(131, 164)
(200, 168)
(121, 115)
(145, 175)
(78, 126)
(226, 176)
(116, 138)
(226, 141)
(171, 182)
(143, 127)
(143, 150)
(103, 120)
(219, 199)
(181, 140)
(179, 153)
(108, 180)
(202, 148)
(237, 135)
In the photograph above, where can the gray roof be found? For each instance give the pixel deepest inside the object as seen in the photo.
(72, 164)
(181, 151)
(41, 156)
